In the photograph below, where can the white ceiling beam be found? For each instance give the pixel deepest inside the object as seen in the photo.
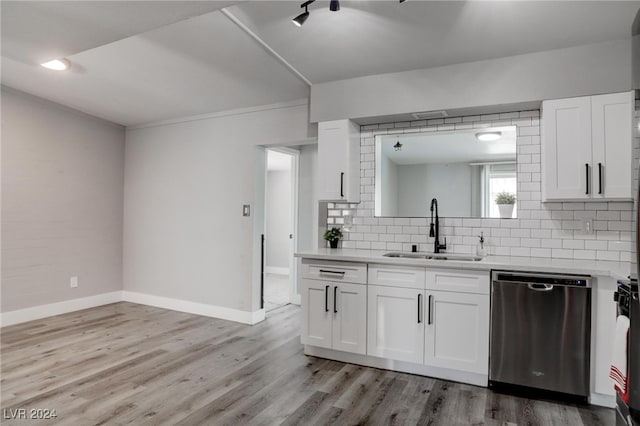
(268, 48)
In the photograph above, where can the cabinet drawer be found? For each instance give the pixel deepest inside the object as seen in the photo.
(397, 276)
(458, 281)
(334, 271)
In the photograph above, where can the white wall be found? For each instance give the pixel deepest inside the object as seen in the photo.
(184, 233)
(278, 219)
(308, 197)
(582, 70)
(62, 191)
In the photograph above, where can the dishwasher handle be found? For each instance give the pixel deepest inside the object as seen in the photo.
(540, 287)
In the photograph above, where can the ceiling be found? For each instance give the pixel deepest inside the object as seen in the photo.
(450, 147)
(135, 62)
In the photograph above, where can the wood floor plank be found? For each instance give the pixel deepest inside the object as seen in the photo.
(124, 364)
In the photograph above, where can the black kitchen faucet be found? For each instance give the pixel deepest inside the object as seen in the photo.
(436, 233)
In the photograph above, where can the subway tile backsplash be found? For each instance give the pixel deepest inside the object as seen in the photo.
(541, 229)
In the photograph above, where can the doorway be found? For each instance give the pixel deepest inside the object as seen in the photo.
(280, 222)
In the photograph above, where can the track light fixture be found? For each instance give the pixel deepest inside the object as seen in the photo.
(334, 6)
(299, 20)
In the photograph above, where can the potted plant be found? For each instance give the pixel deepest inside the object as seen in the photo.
(333, 235)
(505, 202)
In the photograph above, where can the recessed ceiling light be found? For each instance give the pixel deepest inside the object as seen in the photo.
(57, 64)
(488, 136)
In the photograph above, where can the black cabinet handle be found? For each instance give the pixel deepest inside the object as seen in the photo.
(586, 166)
(419, 308)
(599, 178)
(326, 271)
(430, 310)
(326, 298)
(335, 300)
(342, 184)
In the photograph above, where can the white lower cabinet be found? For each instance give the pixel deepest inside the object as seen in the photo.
(334, 315)
(395, 323)
(457, 331)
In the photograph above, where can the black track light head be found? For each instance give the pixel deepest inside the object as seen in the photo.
(299, 20)
(334, 6)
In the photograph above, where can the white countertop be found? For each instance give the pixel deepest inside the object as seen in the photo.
(616, 270)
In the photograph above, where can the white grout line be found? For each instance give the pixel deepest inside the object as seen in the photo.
(257, 38)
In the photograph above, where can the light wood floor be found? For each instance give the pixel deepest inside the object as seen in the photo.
(133, 364)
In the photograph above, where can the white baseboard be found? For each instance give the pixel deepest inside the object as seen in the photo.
(276, 270)
(213, 311)
(602, 400)
(43, 311)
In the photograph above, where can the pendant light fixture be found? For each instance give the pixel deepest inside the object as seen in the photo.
(334, 6)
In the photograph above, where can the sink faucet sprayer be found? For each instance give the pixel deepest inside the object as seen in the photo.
(436, 233)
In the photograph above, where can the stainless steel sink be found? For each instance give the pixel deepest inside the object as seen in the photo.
(434, 256)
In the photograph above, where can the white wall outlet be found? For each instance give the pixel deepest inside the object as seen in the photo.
(246, 210)
(587, 226)
(73, 282)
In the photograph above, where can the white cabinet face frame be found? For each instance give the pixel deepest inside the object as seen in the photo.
(457, 331)
(395, 328)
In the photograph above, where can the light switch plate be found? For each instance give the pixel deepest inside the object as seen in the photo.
(246, 210)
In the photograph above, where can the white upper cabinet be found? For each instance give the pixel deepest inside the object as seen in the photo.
(339, 161)
(612, 130)
(586, 148)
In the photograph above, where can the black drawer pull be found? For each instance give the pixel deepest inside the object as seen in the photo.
(325, 271)
(335, 300)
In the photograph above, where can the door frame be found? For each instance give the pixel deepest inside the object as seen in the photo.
(294, 293)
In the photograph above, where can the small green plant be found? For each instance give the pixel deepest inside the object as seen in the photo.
(505, 198)
(333, 234)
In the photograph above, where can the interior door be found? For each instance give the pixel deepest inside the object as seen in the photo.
(395, 328)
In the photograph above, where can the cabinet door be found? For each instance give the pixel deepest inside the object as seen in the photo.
(395, 327)
(317, 313)
(457, 331)
(349, 317)
(339, 161)
(566, 149)
(611, 124)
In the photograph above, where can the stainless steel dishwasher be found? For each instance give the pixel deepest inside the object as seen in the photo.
(541, 331)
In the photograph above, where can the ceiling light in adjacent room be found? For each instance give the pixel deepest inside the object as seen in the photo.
(488, 136)
(57, 64)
